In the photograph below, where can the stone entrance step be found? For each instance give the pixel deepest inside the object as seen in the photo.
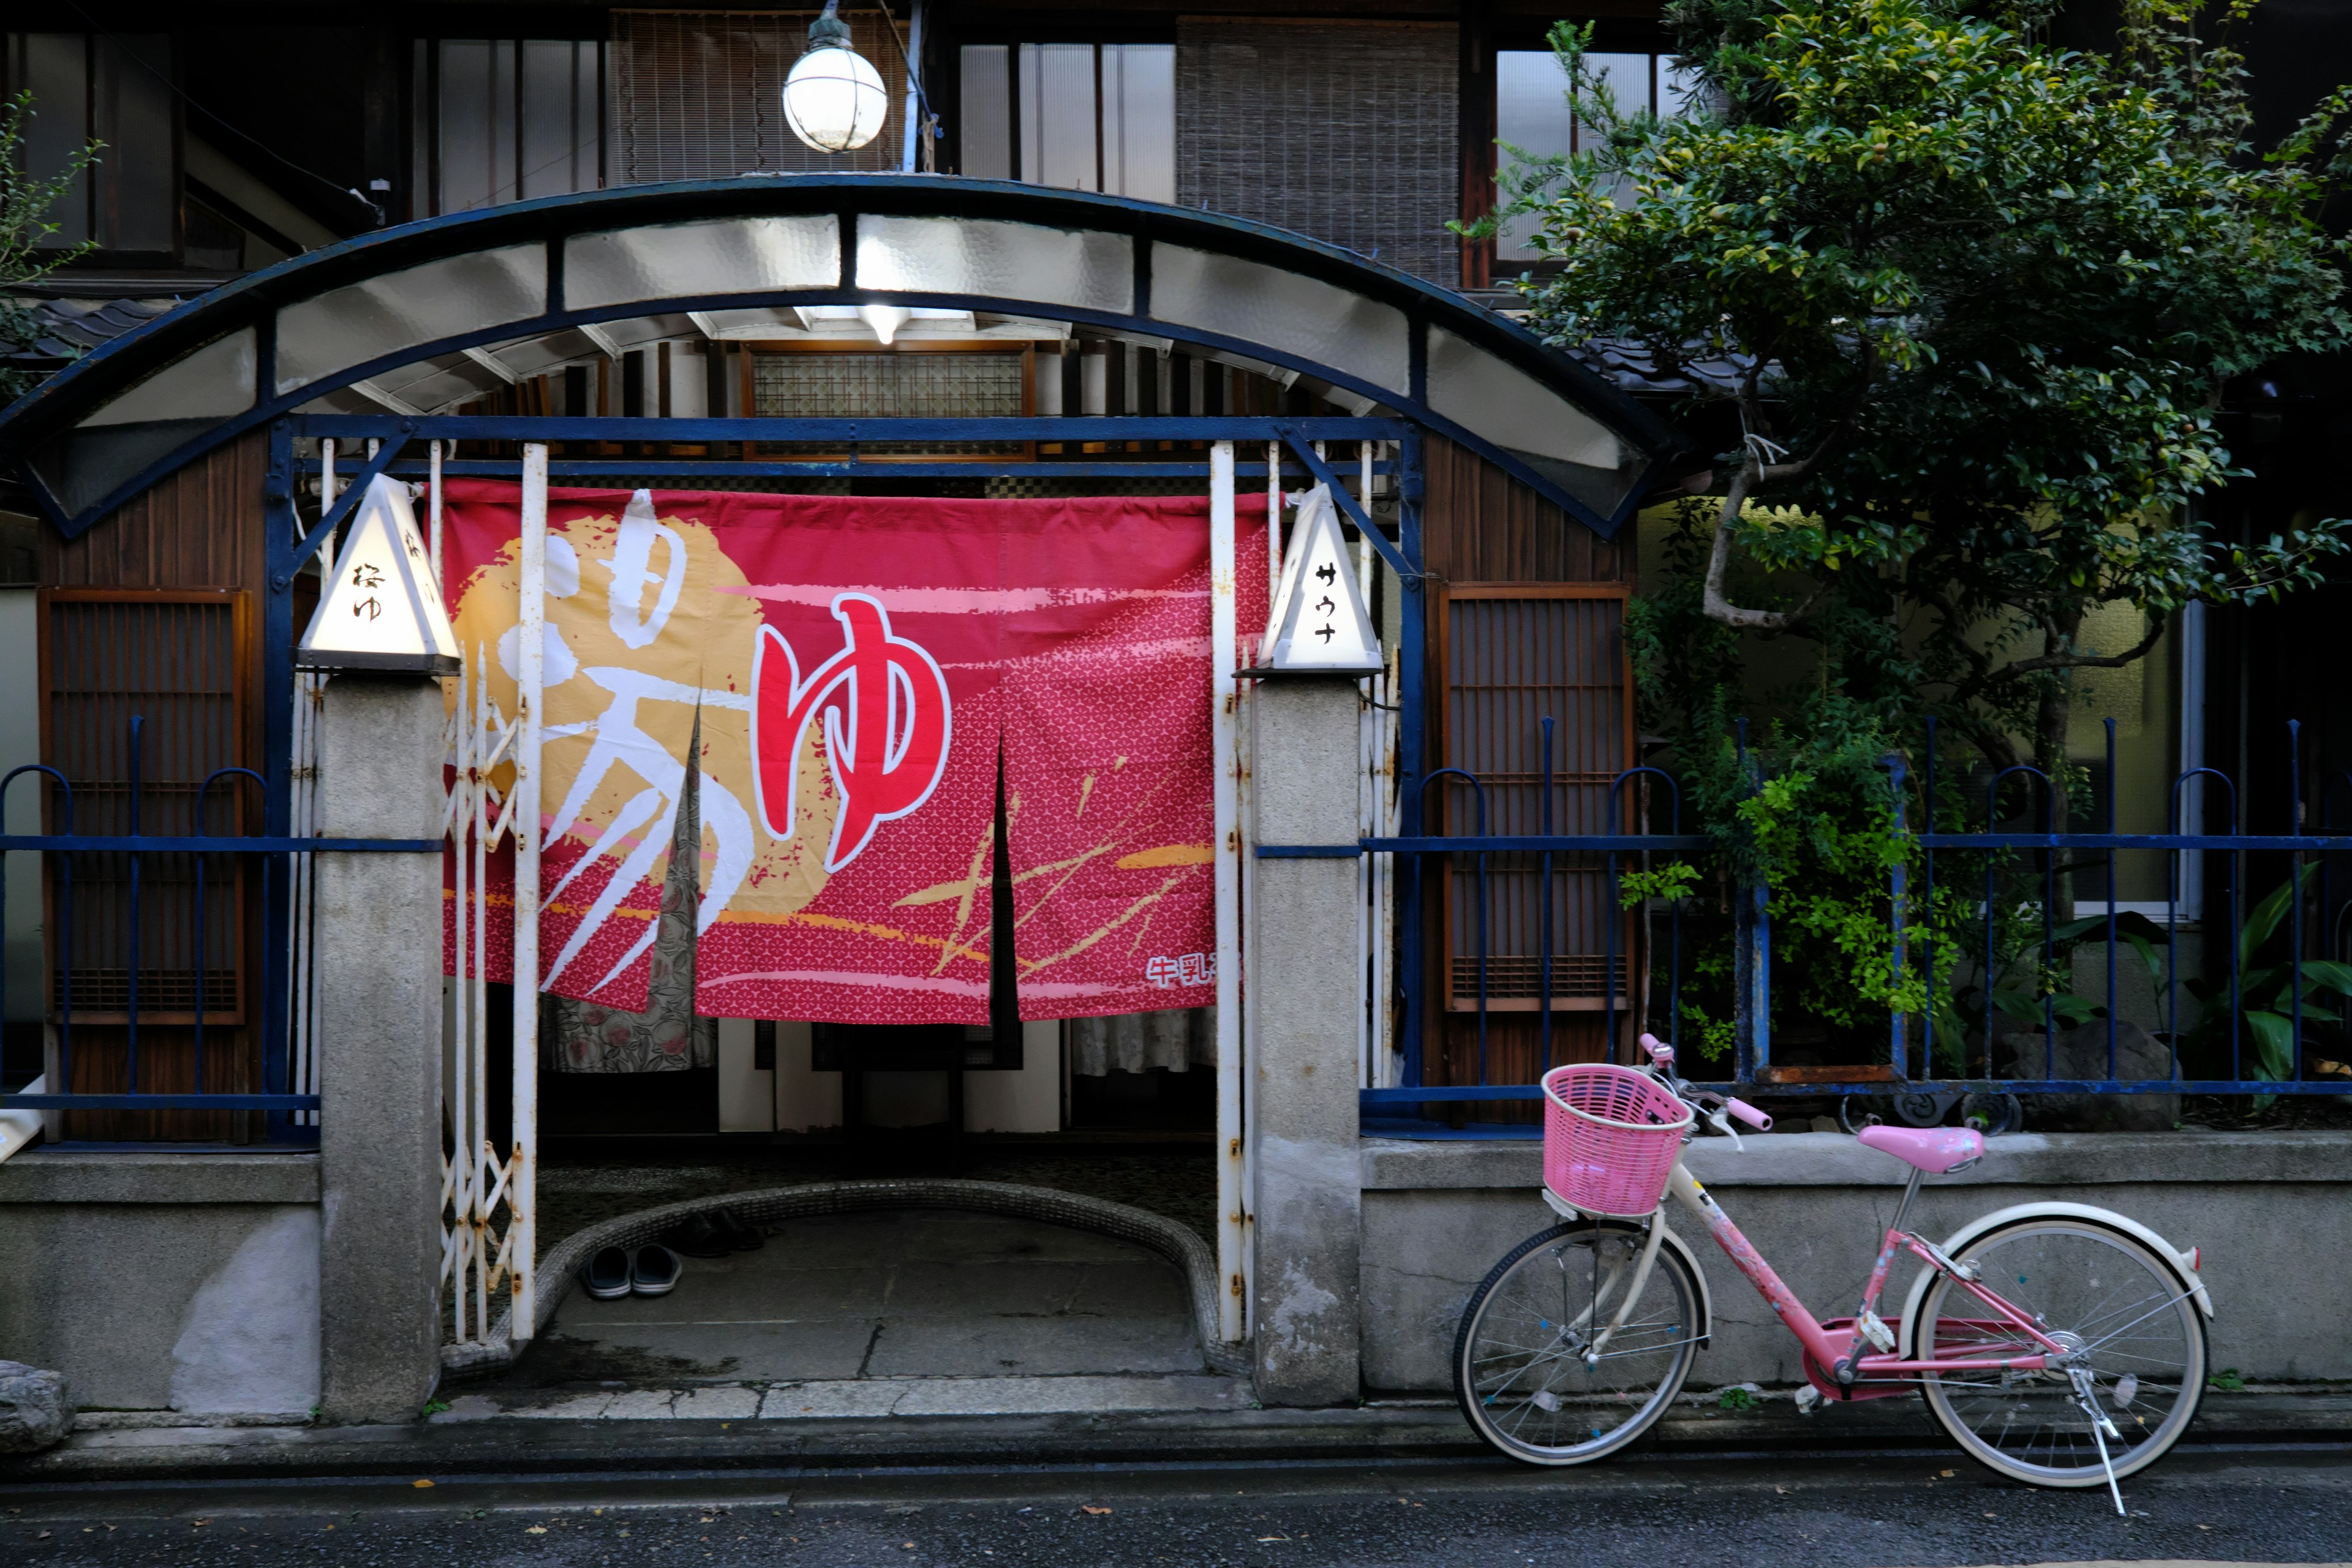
(866, 1397)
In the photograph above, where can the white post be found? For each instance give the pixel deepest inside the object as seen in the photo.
(1224, 695)
(531, 659)
(1273, 529)
(433, 509)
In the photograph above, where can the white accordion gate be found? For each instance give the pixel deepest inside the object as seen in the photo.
(487, 1236)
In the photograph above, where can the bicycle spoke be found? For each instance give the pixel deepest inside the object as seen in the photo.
(2110, 1308)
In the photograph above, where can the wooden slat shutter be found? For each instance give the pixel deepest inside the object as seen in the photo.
(1514, 655)
(698, 95)
(1343, 132)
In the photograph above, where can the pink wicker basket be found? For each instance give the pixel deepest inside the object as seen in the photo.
(1611, 1136)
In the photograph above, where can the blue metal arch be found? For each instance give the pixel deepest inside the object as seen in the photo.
(49, 413)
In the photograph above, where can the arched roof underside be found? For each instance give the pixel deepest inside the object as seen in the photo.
(417, 316)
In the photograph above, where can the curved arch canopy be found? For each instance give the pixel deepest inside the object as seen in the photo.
(299, 333)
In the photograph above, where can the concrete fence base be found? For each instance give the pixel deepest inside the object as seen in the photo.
(2273, 1212)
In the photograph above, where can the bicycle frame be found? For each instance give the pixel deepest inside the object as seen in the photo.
(1839, 1359)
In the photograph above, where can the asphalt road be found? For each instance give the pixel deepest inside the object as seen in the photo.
(2246, 1505)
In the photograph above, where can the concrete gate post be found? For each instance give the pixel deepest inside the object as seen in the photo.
(1305, 992)
(378, 956)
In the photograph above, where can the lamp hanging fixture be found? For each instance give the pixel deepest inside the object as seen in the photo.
(833, 98)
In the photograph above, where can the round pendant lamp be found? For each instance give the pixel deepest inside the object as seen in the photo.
(833, 99)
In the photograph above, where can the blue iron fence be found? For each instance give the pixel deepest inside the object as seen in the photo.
(2232, 991)
(131, 916)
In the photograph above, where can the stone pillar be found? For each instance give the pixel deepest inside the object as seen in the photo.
(1305, 991)
(378, 966)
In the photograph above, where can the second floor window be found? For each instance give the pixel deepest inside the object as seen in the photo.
(499, 119)
(1083, 117)
(118, 90)
(1531, 111)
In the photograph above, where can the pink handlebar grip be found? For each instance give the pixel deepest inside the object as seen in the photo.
(1747, 1113)
(1658, 1050)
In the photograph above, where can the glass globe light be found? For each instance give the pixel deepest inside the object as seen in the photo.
(833, 98)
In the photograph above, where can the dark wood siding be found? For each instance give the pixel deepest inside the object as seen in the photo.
(1525, 619)
(191, 547)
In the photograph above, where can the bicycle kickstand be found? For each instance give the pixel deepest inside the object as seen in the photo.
(2101, 1428)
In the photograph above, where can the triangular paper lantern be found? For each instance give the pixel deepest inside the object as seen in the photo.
(382, 610)
(1318, 625)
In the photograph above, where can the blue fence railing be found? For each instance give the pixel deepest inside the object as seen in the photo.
(2243, 964)
(99, 1037)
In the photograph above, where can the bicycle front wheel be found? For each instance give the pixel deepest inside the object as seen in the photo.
(1535, 1377)
(2124, 1317)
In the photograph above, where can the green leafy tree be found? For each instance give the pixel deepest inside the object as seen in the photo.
(26, 228)
(1985, 294)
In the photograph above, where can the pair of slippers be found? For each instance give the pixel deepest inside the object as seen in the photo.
(713, 1236)
(616, 1271)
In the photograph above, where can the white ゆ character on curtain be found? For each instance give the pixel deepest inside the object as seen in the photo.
(646, 821)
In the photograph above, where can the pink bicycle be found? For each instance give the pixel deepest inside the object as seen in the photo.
(2059, 1344)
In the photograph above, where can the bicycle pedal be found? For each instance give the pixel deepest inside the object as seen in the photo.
(1876, 1331)
(1809, 1399)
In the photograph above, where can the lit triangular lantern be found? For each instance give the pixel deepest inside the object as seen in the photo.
(381, 609)
(1318, 625)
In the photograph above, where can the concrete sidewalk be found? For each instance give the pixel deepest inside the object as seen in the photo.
(676, 1436)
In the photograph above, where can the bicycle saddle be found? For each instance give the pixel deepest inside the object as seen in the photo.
(1935, 1150)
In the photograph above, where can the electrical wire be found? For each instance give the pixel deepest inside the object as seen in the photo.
(173, 87)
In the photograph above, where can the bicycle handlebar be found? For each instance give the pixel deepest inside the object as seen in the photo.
(1661, 1056)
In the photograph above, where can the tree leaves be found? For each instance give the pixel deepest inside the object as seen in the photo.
(1990, 290)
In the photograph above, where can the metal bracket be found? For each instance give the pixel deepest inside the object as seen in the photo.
(1347, 503)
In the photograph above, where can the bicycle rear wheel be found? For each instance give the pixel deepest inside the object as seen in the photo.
(1525, 1369)
(2125, 1314)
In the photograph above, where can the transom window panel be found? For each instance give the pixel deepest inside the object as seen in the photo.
(1082, 117)
(1532, 111)
(945, 382)
(698, 95)
(1516, 656)
(1343, 132)
(503, 119)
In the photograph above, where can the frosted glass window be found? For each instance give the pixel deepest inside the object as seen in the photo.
(984, 137)
(1677, 90)
(347, 327)
(1139, 121)
(1283, 310)
(56, 70)
(1057, 116)
(212, 383)
(727, 256)
(473, 108)
(1532, 111)
(1080, 117)
(560, 127)
(132, 113)
(1512, 410)
(1630, 78)
(477, 105)
(115, 89)
(1086, 268)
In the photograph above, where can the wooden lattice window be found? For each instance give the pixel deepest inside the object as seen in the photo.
(1515, 653)
(176, 661)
